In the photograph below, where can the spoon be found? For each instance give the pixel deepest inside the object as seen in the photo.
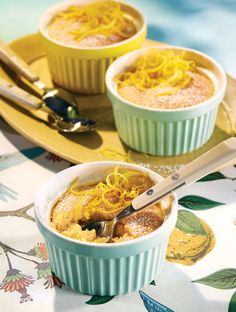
(82, 125)
(60, 101)
(210, 161)
(34, 104)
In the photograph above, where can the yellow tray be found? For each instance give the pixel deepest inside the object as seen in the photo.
(104, 144)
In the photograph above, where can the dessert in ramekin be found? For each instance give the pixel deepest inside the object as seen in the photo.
(103, 199)
(168, 107)
(101, 268)
(81, 40)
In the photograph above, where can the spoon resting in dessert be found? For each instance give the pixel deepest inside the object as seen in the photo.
(222, 154)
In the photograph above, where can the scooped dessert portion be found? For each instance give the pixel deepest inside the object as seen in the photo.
(103, 200)
(164, 79)
(100, 23)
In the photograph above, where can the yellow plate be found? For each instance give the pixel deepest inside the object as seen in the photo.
(104, 144)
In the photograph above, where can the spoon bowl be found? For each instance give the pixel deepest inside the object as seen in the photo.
(60, 101)
(78, 125)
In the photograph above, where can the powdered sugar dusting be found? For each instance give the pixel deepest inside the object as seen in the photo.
(200, 89)
(61, 29)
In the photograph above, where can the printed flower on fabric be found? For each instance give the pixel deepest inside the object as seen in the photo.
(44, 271)
(16, 281)
(39, 251)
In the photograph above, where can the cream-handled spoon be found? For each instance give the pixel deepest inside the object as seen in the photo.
(58, 100)
(63, 110)
(222, 154)
(33, 104)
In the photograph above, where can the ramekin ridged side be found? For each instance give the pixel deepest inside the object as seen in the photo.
(82, 69)
(165, 132)
(157, 133)
(79, 75)
(106, 277)
(101, 269)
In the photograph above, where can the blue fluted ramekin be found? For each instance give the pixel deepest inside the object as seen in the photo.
(101, 269)
(166, 132)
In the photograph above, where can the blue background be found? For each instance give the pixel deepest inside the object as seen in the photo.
(208, 26)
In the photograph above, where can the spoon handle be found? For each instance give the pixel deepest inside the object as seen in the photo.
(210, 161)
(19, 96)
(10, 58)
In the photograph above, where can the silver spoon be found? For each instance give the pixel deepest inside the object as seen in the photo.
(82, 125)
(210, 161)
(60, 101)
(34, 104)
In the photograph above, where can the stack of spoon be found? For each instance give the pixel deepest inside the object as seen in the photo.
(61, 110)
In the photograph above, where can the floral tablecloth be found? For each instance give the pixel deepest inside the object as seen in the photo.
(199, 273)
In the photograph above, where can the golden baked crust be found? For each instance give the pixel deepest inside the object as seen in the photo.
(103, 201)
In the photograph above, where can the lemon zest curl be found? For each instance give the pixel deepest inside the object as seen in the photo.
(109, 196)
(100, 17)
(164, 69)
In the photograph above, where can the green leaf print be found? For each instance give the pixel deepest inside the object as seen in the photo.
(198, 203)
(213, 176)
(222, 279)
(232, 303)
(99, 299)
(187, 222)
